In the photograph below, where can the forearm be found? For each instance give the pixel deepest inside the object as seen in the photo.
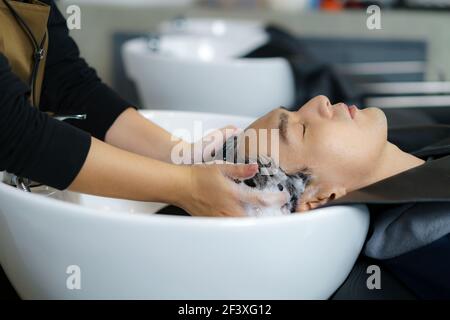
(112, 172)
(134, 133)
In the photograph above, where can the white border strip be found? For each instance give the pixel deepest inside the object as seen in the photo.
(375, 68)
(409, 101)
(406, 87)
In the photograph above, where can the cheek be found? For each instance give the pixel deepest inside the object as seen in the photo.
(342, 150)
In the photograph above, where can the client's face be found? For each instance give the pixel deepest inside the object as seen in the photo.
(338, 144)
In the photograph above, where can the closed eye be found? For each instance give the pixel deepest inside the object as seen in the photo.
(304, 130)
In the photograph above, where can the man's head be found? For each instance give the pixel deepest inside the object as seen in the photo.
(267, 178)
(332, 145)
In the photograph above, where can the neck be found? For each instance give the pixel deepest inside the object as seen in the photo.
(392, 161)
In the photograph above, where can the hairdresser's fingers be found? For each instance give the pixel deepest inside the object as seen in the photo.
(239, 171)
(302, 207)
(235, 211)
(265, 199)
(211, 193)
(213, 142)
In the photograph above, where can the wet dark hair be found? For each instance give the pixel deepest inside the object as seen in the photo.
(266, 178)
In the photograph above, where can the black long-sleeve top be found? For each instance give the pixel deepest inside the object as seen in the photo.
(32, 144)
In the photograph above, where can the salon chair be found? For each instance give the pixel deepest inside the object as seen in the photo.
(7, 291)
(411, 103)
(389, 74)
(355, 286)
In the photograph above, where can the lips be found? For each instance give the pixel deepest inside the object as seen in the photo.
(352, 110)
(347, 109)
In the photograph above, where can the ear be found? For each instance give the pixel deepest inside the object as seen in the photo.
(312, 199)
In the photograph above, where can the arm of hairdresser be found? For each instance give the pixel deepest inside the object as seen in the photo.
(38, 147)
(55, 153)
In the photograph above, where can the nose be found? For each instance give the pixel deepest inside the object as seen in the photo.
(324, 104)
(324, 99)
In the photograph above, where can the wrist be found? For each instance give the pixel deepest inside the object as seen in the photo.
(179, 180)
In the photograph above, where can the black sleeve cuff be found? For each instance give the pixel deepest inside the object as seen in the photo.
(103, 107)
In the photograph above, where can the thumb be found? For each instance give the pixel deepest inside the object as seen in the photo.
(239, 171)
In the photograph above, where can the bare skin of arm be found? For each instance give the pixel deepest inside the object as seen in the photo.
(203, 190)
(113, 172)
(135, 164)
(134, 133)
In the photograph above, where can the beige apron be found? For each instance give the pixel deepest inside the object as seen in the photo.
(17, 46)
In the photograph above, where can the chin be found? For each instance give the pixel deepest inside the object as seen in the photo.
(379, 122)
(374, 123)
(376, 116)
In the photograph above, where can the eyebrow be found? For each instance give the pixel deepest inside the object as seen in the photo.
(282, 125)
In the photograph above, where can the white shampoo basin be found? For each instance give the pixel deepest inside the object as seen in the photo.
(198, 72)
(121, 250)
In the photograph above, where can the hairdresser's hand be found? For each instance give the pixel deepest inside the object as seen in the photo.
(213, 193)
(205, 149)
